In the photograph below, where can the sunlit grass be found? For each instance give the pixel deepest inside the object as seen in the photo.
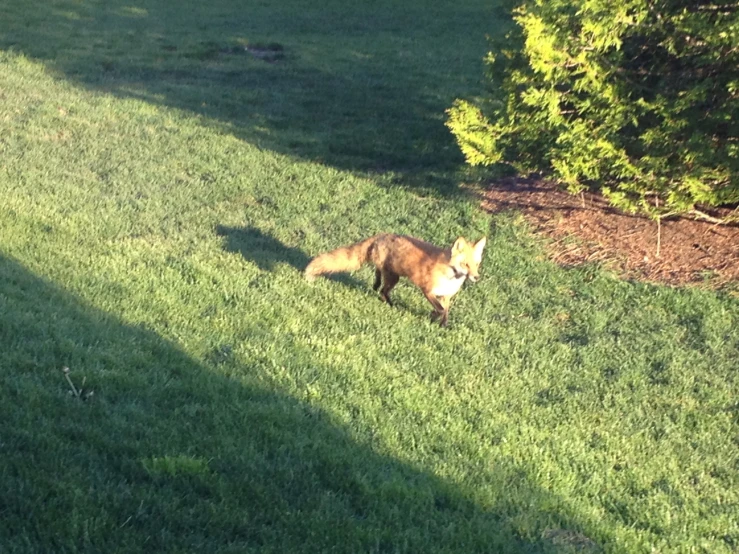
(159, 198)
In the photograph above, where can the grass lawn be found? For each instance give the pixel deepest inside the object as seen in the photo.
(167, 171)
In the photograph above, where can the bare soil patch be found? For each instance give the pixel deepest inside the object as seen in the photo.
(588, 229)
(271, 53)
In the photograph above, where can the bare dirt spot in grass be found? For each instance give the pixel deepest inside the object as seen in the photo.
(271, 52)
(571, 539)
(588, 229)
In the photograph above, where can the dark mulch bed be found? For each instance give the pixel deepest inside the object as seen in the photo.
(588, 229)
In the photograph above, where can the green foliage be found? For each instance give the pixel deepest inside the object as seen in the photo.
(639, 98)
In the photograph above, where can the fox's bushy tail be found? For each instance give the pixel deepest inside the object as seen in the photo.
(347, 258)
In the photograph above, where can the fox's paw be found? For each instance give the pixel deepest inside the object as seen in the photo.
(440, 317)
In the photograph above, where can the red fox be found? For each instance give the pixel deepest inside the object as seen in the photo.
(438, 272)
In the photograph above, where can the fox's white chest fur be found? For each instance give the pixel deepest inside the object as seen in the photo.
(448, 286)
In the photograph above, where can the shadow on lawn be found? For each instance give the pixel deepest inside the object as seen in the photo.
(266, 251)
(172, 454)
(262, 249)
(333, 99)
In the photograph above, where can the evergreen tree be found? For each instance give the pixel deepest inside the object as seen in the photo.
(638, 98)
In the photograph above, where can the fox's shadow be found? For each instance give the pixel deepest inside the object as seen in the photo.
(266, 251)
(262, 249)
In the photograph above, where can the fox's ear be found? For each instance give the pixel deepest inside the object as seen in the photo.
(479, 247)
(459, 245)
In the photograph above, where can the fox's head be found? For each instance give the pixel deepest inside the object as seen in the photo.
(466, 258)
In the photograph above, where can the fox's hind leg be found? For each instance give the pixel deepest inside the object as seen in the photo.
(378, 279)
(389, 279)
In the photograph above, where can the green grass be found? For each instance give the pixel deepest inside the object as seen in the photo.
(160, 193)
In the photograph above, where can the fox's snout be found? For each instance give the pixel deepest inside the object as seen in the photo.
(473, 278)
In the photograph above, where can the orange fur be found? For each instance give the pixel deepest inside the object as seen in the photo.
(438, 272)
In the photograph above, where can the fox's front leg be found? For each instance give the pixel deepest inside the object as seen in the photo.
(441, 308)
(444, 301)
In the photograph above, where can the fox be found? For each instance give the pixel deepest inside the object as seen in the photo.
(438, 272)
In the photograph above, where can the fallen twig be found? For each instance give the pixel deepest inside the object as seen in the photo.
(703, 215)
(78, 393)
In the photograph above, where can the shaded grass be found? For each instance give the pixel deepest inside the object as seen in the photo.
(155, 246)
(172, 454)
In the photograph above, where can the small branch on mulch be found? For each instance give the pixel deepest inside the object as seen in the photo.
(710, 218)
(599, 255)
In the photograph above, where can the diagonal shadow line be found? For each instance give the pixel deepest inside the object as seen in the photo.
(172, 454)
(324, 114)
